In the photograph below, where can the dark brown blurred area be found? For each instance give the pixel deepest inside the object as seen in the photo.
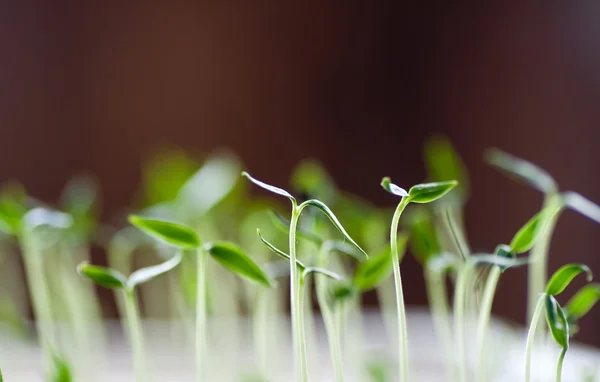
(95, 86)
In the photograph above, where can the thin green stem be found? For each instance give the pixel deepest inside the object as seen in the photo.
(539, 307)
(400, 308)
(135, 334)
(201, 331)
(484, 317)
(435, 283)
(301, 327)
(260, 326)
(459, 318)
(559, 365)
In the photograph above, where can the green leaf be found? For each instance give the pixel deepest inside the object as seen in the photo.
(563, 277)
(334, 220)
(374, 271)
(423, 238)
(170, 233)
(428, 192)
(390, 187)
(444, 163)
(273, 189)
(340, 292)
(580, 304)
(13, 206)
(232, 258)
(557, 322)
(528, 234)
(332, 275)
(61, 370)
(582, 205)
(106, 277)
(521, 170)
(278, 251)
(284, 225)
(146, 274)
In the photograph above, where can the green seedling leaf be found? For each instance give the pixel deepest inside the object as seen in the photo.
(103, 276)
(528, 234)
(232, 258)
(390, 187)
(423, 238)
(563, 277)
(341, 292)
(284, 225)
(170, 233)
(582, 205)
(278, 251)
(583, 301)
(444, 163)
(522, 170)
(334, 220)
(557, 322)
(40, 216)
(374, 271)
(428, 192)
(12, 208)
(273, 189)
(321, 271)
(146, 274)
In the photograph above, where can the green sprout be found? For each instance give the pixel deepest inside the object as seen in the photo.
(421, 193)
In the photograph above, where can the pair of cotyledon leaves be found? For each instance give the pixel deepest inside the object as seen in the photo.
(558, 318)
(184, 238)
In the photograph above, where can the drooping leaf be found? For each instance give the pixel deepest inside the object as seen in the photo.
(332, 275)
(334, 220)
(273, 189)
(103, 276)
(146, 274)
(582, 205)
(278, 251)
(235, 260)
(581, 303)
(521, 170)
(557, 321)
(528, 234)
(284, 225)
(374, 271)
(563, 277)
(444, 163)
(428, 192)
(170, 233)
(390, 187)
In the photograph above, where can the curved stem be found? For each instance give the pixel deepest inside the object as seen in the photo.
(135, 333)
(201, 331)
(539, 306)
(484, 317)
(400, 308)
(559, 365)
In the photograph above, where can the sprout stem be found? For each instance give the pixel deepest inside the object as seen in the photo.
(135, 333)
(301, 329)
(559, 365)
(400, 309)
(484, 317)
(539, 306)
(459, 318)
(201, 331)
(260, 326)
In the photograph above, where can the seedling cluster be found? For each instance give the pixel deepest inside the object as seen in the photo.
(201, 227)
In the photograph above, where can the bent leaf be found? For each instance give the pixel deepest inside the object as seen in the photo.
(428, 192)
(390, 187)
(278, 251)
(334, 220)
(563, 277)
(268, 187)
(232, 258)
(582, 205)
(374, 271)
(522, 170)
(580, 304)
(146, 274)
(527, 235)
(170, 233)
(103, 276)
(557, 322)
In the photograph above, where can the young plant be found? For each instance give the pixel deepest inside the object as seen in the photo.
(421, 193)
(227, 254)
(295, 287)
(559, 318)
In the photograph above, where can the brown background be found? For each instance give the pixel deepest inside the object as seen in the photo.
(97, 86)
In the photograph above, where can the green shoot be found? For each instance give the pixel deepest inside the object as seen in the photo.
(422, 193)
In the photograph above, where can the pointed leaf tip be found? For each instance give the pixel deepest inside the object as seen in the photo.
(429, 192)
(234, 259)
(106, 277)
(390, 187)
(268, 187)
(167, 232)
(583, 301)
(146, 274)
(562, 277)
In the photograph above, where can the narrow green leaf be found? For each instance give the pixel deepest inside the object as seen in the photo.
(428, 192)
(103, 276)
(582, 205)
(273, 189)
(581, 303)
(283, 224)
(334, 220)
(332, 275)
(557, 322)
(528, 234)
(146, 274)
(170, 233)
(374, 271)
(444, 163)
(232, 258)
(563, 277)
(278, 251)
(521, 170)
(390, 187)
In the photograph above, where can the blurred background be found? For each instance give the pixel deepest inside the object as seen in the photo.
(358, 85)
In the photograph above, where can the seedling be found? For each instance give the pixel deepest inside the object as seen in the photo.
(295, 286)
(421, 193)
